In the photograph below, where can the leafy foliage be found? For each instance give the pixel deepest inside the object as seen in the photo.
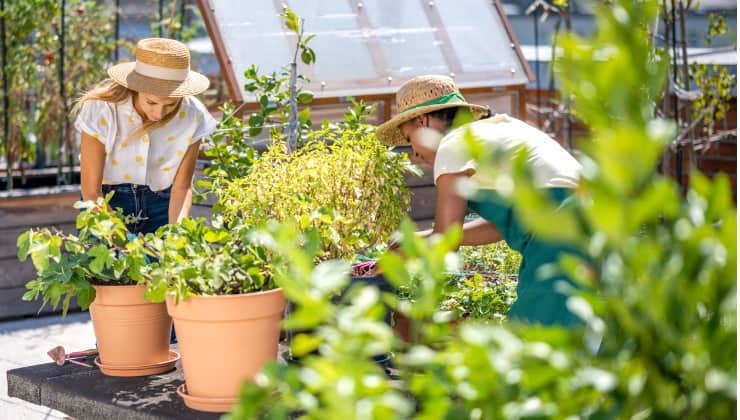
(715, 82)
(657, 283)
(68, 265)
(475, 296)
(173, 23)
(230, 148)
(273, 91)
(494, 259)
(342, 183)
(194, 258)
(230, 151)
(37, 113)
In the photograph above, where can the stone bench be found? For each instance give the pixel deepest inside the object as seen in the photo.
(85, 393)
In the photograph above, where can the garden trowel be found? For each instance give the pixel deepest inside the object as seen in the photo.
(60, 357)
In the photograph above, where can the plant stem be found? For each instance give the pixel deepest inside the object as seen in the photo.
(293, 122)
(6, 100)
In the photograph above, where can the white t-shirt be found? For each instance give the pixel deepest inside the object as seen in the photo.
(152, 159)
(551, 164)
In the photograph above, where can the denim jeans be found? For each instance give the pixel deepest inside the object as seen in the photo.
(151, 207)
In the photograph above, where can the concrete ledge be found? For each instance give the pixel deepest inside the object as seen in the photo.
(85, 393)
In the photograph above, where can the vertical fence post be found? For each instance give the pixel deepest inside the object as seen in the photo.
(6, 99)
(60, 149)
(674, 79)
(161, 18)
(182, 18)
(537, 68)
(568, 115)
(117, 26)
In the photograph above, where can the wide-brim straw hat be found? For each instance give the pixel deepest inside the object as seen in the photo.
(162, 68)
(419, 96)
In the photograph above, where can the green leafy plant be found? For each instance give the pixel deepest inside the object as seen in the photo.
(230, 149)
(38, 115)
(230, 152)
(68, 265)
(657, 280)
(194, 258)
(476, 296)
(343, 183)
(174, 22)
(715, 82)
(279, 93)
(483, 288)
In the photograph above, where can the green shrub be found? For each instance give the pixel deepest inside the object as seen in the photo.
(193, 258)
(342, 183)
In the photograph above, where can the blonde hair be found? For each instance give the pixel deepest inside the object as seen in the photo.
(110, 91)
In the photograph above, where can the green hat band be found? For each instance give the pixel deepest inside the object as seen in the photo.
(450, 98)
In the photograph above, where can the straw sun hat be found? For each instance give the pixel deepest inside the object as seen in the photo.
(162, 68)
(421, 95)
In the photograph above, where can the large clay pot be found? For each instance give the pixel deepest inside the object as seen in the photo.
(133, 334)
(224, 341)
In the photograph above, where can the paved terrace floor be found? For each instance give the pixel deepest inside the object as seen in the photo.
(25, 342)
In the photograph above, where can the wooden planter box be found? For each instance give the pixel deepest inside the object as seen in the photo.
(19, 211)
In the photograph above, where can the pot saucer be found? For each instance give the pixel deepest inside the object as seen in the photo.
(213, 405)
(139, 370)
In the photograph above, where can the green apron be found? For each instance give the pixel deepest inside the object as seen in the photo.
(537, 300)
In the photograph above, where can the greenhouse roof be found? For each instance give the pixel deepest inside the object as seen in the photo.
(369, 47)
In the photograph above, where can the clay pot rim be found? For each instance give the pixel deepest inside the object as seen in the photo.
(119, 285)
(240, 295)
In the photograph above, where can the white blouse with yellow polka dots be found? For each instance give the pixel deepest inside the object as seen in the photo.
(152, 159)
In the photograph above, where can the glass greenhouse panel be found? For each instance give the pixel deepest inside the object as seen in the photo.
(479, 37)
(371, 47)
(340, 45)
(406, 38)
(252, 35)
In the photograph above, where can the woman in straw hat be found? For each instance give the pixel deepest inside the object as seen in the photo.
(140, 133)
(427, 108)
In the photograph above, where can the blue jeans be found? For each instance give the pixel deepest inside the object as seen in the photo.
(152, 207)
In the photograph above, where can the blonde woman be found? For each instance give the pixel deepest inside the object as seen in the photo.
(140, 133)
(427, 108)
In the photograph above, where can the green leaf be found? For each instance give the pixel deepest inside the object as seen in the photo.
(329, 276)
(102, 258)
(303, 344)
(308, 56)
(305, 97)
(85, 296)
(290, 19)
(216, 236)
(304, 116)
(23, 243)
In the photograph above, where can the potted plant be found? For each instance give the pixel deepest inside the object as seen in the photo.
(341, 183)
(226, 308)
(101, 266)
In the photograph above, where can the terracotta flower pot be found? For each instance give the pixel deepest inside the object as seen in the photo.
(224, 340)
(133, 334)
